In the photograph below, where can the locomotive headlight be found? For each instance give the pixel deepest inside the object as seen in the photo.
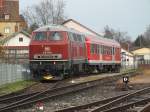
(37, 56)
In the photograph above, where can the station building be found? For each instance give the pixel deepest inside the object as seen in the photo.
(142, 55)
(127, 59)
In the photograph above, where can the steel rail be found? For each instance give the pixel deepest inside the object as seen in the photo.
(78, 108)
(55, 92)
(130, 105)
(28, 102)
(120, 100)
(18, 97)
(146, 108)
(13, 94)
(28, 98)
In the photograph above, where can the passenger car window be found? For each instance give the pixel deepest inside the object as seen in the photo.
(92, 48)
(55, 36)
(40, 36)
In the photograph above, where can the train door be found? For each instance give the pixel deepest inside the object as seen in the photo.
(100, 52)
(113, 54)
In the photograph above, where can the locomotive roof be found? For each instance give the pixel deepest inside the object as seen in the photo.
(54, 27)
(103, 40)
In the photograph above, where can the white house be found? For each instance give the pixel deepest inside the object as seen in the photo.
(127, 58)
(142, 55)
(17, 45)
(79, 27)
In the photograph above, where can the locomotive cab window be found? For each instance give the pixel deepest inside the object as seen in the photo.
(55, 36)
(40, 36)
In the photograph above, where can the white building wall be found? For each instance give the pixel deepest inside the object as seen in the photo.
(127, 59)
(15, 41)
(77, 27)
(147, 57)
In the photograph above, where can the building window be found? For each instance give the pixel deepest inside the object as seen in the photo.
(7, 30)
(7, 17)
(20, 39)
(16, 28)
(1, 16)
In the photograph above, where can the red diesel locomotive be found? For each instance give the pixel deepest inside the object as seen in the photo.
(56, 52)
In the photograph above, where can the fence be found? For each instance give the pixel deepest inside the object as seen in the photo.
(14, 68)
(13, 72)
(144, 64)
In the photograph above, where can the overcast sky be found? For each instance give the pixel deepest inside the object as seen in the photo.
(132, 16)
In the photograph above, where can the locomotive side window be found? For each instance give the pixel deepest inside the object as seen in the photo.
(71, 36)
(55, 36)
(75, 37)
(40, 36)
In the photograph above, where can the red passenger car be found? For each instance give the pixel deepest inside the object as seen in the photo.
(103, 54)
(56, 52)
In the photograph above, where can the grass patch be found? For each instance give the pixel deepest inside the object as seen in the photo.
(16, 86)
(125, 71)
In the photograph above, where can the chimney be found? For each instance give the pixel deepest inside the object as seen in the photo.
(12, 8)
(2, 7)
(1, 3)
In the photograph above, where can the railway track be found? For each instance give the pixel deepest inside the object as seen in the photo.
(51, 93)
(145, 108)
(14, 101)
(86, 107)
(122, 103)
(16, 93)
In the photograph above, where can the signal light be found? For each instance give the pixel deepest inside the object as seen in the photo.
(40, 106)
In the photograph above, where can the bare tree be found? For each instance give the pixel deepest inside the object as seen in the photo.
(122, 37)
(109, 32)
(117, 35)
(2, 52)
(46, 12)
(147, 36)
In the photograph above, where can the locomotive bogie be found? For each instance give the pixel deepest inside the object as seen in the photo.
(54, 69)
